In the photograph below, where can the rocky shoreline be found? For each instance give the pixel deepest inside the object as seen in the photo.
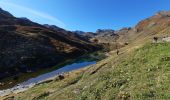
(55, 75)
(21, 88)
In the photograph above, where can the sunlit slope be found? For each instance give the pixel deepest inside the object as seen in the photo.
(140, 72)
(141, 75)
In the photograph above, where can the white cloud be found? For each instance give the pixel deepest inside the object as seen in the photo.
(35, 13)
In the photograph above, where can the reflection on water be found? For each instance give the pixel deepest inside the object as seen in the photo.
(66, 68)
(43, 74)
(33, 81)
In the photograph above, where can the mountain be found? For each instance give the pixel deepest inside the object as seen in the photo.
(139, 72)
(154, 26)
(54, 27)
(69, 33)
(79, 32)
(26, 45)
(105, 36)
(101, 35)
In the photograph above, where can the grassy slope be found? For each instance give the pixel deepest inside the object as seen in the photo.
(141, 74)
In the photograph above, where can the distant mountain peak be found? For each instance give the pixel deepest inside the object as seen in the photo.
(79, 32)
(105, 30)
(53, 27)
(25, 18)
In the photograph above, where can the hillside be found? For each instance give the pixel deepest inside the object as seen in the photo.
(26, 46)
(157, 25)
(139, 72)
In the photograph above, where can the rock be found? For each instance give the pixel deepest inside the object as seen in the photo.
(123, 96)
(76, 91)
(61, 77)
(10, 82)
(1, 83)
(164, 13)
(166, 39)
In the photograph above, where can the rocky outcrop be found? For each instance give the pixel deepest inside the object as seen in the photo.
(163, 14)
(105, 31)
(101, 36)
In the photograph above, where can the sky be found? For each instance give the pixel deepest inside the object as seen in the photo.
(86, 15)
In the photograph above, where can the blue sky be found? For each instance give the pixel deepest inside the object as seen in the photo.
(86, 15)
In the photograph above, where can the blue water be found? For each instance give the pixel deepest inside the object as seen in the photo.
(64, 69)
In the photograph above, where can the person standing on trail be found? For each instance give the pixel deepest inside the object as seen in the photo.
(117, 52)
(117, 49)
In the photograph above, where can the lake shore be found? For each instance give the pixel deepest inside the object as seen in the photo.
(30, 83)
(21, 88)
(10, 82)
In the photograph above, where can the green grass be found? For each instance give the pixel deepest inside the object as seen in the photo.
(144, 74)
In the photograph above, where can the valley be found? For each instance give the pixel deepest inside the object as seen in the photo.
(26, 46)
(132, 63)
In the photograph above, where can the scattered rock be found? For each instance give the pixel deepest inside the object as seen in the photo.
(61, 77)
(123, 96)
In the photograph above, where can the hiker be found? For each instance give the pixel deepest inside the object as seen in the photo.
(117, 52)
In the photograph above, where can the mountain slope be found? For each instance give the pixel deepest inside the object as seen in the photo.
(140, 75)
(157, 25)
(140, 71)
(27, 46)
